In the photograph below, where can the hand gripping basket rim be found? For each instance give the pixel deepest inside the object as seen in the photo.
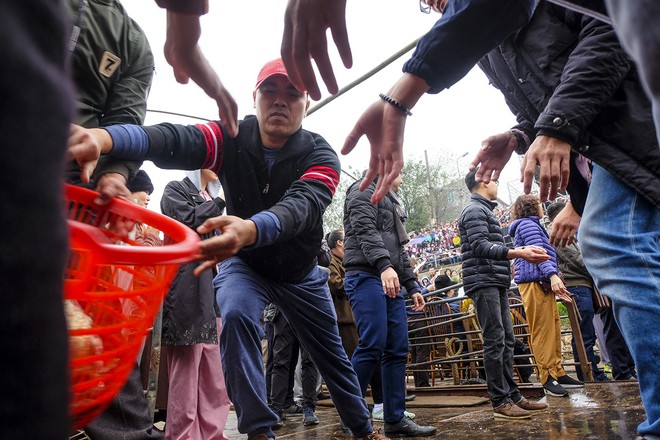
(182, 250)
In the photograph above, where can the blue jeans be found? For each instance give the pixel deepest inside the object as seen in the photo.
(620, 236)
(585, 305)
(636, 24)
(242, 295)
(492, 308)
(382, 324)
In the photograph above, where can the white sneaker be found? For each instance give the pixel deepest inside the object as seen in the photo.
(378, 415)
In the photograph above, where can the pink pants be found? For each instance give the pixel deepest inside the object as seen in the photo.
(198, 403)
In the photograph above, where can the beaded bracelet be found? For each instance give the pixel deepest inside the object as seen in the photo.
(396, 104)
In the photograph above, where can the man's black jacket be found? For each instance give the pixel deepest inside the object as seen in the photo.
(565, 75)
(371, 241)
(482, 246)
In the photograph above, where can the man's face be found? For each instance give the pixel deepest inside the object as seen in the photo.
(280, 110)
(432, 272)
(141, 198)
(209, 175)
(492, 189)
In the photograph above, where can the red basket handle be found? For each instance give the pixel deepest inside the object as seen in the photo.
(184, 244)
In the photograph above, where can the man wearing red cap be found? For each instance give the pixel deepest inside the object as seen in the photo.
(278, 180)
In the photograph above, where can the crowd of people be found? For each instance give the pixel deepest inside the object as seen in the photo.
(587, 106)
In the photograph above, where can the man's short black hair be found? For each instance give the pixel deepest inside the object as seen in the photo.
(334, 237)
(554, 209)
(470, 181)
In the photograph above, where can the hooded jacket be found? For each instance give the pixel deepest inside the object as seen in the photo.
(485, 262)
(527, 231)
(372, 240)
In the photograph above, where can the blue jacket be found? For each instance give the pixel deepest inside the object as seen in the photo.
(467, 31)
(527, 232)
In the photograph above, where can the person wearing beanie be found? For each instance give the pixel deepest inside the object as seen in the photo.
(141, 188)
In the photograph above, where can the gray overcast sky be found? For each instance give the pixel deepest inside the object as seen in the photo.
(238, 37)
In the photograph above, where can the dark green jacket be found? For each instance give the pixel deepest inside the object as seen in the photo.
(112, 67)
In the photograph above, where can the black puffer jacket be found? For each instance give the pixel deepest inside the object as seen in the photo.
(371, 241)
(482, 245)
(565, 75)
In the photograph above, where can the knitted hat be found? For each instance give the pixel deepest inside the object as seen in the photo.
(141, 182)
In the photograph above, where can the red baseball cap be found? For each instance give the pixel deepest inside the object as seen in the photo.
(271, 68)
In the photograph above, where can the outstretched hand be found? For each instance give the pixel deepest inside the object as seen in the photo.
(384, 126)
(304, 38)
(494, 154)
(532, 254)
(553, 157)
(183, 53)
(235, 234)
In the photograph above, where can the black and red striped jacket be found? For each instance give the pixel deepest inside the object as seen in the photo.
(300, 186)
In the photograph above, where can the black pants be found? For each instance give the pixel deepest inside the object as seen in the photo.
(127, 417)
(419, 353)
(492, 307)
(623, 365)
(35, 112)
(285, 344)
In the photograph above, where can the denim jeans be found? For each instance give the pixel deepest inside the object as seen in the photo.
(585, 305)
(492, 307)
(383, 328)
(620, 236)
(242, 295)
(636, 24)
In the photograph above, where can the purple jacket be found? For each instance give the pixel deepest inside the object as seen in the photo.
(526, 232)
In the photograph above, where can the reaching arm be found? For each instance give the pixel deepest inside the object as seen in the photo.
(443, 56)
(593, 73)
(183, 53)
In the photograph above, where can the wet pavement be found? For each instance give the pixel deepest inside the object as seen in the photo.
(603, 411)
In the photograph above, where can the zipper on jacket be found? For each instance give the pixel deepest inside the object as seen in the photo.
(266, 188)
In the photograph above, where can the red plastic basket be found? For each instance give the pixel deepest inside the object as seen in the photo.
(113, 289)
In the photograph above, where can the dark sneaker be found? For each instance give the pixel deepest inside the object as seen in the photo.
(263, 437)
(510, 411)
(293, 409)
(567, 381)
(407, 428)
(309, 418)
(628, 376)
(552, 388)
(280, 418)
(531, 406)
